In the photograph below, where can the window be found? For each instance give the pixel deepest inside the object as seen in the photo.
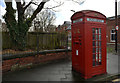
(96, 32)
(112, 35)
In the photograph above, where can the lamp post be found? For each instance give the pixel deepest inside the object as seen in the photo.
(73, 11)
(116, 24)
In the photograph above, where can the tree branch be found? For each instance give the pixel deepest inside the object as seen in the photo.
(23, 3)
(27, 6)
(30, 4)
(39, 8)
(55, 6)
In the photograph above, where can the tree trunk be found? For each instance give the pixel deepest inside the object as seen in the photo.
(18, 29)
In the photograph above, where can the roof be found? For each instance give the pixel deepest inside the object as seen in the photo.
(90, 13)
(67, 22)
(69, 28)
(113, 17)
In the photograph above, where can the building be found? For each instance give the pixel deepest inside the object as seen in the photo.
(111, 30)
(66, 27)
(63, 27)
(69, 32)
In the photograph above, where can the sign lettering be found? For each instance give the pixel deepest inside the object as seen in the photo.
(78, 20)
(95, 20)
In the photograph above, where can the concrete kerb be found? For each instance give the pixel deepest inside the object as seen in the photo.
(107, 78)
(98, 78)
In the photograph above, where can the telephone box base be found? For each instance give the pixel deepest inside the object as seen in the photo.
(88, 76)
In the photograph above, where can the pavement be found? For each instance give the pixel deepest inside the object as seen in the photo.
(60, 71)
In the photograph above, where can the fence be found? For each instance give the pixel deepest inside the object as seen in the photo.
(36, 41)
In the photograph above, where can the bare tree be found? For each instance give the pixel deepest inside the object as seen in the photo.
(46, 18)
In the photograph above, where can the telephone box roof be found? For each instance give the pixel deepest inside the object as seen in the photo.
(89, 13)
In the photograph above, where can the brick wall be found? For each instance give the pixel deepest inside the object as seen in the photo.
(27, 62)
(110, 26)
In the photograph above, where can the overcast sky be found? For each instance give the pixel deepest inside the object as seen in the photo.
(107, 7)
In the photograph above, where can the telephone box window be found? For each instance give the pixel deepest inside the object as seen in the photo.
(99, 57)
(96, 50)
(96, 56)
(99, 43)
(93, 37)
(96, 43)
(99, 37)
(99, 30)
(99, 50)
(96, 32)
(96, 59)
(93, 56)
(93, 63)
(93, 50)
(93, 30)
(93, 43)
(96, 37)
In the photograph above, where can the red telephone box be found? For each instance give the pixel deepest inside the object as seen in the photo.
(89, 43)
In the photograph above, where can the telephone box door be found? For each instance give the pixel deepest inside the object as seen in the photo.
(98, 47)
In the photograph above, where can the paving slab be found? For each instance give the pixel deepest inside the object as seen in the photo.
(60, 71)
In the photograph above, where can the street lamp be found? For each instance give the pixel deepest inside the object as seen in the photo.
(73, 11)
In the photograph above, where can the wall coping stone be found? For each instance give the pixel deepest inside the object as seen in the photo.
(26, 54)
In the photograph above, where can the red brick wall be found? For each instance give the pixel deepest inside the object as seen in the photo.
(17, 63)
(110, 26)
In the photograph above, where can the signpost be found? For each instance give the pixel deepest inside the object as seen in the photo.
(116, 23)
